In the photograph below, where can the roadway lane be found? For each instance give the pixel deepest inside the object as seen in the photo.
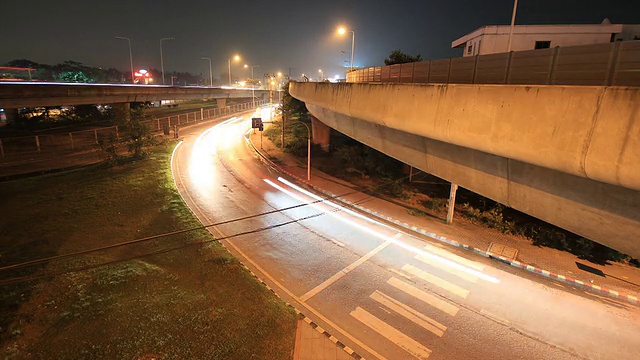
(383, 292)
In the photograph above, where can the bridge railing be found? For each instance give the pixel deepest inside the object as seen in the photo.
(87, 140)
(609, 64)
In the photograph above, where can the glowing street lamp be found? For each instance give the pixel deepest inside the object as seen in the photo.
(321, 74)
(235, 58)
(342, 31)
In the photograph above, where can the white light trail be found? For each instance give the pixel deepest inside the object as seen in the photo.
(441, 260)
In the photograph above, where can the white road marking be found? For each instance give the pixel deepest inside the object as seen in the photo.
(408, 344)
(424, 296)
(461, 274)
(459, 259)
(409, 313)
(311, 293)
(200, 214)
(444, 284)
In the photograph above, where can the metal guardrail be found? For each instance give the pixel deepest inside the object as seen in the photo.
(609, 64)
(89, 139)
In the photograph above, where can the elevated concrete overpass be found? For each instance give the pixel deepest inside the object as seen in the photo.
(28, 94)
(569, 155)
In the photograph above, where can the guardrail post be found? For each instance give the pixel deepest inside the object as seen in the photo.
(38, 143)
(1, 149)
(449, 71)
(71, 140)
(613, 64)
(201, 114)
(158, 122)
(95, 134)
(117, 134)
(553, 65)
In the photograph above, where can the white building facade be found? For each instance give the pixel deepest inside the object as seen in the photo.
(495, 38)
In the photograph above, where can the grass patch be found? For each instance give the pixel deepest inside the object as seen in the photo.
(197, 302)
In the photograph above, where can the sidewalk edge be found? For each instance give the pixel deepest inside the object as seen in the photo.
(517, 264)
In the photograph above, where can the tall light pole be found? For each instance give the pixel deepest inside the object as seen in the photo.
(130, 56)
(321, 74)
(161, 58)
(342, 31)
(253, 86)
(513, 21)
(210, 73)
(236, 58)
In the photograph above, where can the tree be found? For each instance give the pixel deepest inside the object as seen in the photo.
(290, 105)
(398, 57)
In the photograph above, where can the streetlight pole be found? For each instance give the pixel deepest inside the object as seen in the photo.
(342, 31)
(161, 58)
(321, 74)
(353, 46)
(513, 21)
(236, 58)
(253, 86)
(130, 56)
(210, 73)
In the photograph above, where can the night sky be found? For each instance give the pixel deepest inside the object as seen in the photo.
(291, 36)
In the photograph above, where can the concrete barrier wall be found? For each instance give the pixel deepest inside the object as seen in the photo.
(586, 131)
(605, 213)
(17, 95)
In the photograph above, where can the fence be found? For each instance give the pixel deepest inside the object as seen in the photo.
(616, 63)
(89, 139)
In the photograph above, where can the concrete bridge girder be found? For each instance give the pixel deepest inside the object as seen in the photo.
(605, 213)
(588, 131)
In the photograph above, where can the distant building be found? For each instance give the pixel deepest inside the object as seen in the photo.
(495, 38)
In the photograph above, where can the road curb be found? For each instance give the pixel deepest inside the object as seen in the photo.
(517, 264)
(306, 319)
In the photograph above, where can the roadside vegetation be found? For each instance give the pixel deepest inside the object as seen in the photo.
(380, 175)
(137, 301)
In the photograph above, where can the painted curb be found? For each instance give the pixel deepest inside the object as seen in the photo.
(303, 317)
(517, 264)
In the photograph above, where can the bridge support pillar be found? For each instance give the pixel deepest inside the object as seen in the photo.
(452, 203)
(321, 134)
(8, 116)
(123, 110)
(222, 103)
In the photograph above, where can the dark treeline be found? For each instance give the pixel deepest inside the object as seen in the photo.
(76, 72)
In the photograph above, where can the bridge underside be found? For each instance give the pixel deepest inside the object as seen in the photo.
(605, 213)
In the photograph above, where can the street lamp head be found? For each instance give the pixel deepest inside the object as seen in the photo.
(342, 31)
(246, 66)
(236, 58)
(319, 70)
(279, 73)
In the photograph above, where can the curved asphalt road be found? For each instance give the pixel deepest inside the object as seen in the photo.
(380, 291)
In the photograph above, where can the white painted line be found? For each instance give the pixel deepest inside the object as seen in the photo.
(409, 313)
(199, 213)
(400, 273)
(311, 293)
(446, 262)
(408, 344)
(461, 274)
(459, 259)
(424, 296)
(444, 284)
